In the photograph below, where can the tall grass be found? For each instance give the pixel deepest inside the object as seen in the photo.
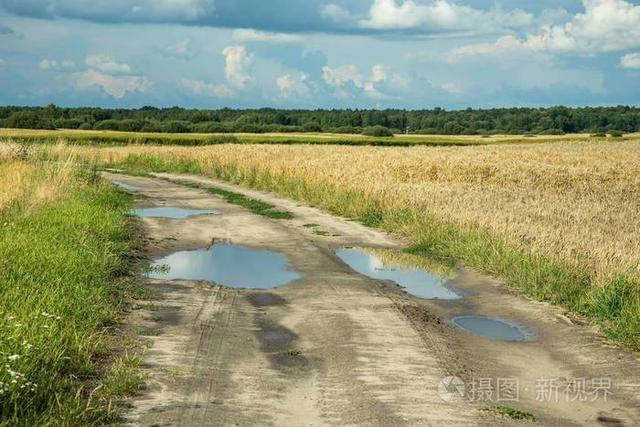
(559, 222)
(62, 236)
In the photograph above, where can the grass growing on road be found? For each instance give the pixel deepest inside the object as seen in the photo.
(557, 221)
(62, 237)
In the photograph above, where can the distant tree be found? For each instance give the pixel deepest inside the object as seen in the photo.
(28, 120)
(312, 127)
(453, 128)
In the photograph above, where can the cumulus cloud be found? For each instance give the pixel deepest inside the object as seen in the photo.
(293, 86)
(630, 60)
(200, 87)
(54, 65)
(115, 86)
(181, 49)
(605, 25)
(440, 15)
(107, 64)
(237, 65)
(344, 76)
(252, 36)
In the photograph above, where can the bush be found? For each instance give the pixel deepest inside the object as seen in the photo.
(106, 125)
(176, 126)
(312, 127)
(85, 126)
(598, 135)
(616, 133)
(377, 131)
(453, 128)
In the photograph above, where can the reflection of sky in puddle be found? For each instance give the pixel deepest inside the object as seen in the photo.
(495, 329)
(416, 281)
(125, 186)
(172, 212)
(228, 265)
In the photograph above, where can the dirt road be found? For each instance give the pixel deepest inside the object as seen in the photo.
(335, 347)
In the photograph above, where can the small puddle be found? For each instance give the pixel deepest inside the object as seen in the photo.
(228, 265)
(125, 186)
(416, 281)
(173, 212)
(495, 329)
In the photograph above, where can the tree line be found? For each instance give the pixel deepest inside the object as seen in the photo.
(516, 121)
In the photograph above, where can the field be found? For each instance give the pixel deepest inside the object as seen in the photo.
(64, 283)
(558, 221)
(194, 139)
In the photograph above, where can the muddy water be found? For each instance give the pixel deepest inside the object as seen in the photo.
(495, 329)
(172, 212)
(228, 265)
(415, 281)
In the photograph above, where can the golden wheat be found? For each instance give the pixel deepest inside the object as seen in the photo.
(575, 201)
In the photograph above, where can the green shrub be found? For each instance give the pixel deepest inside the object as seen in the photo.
(616, 133)
(377, 131)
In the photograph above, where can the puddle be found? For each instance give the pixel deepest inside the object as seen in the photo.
(416, 281)
(125, 186)
(495, 329)
(172, 212)
(228, 265)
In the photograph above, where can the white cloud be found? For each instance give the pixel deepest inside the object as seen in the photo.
(250, 35)
(605, 25)
(293, 86)
(200, 87)
(452, 88)
(440, 15)
(181, 49)
(342, 76)
(115, 86)
(237, 64)
(54, 65)
(630, 60)
(107, 64)
(335, 13)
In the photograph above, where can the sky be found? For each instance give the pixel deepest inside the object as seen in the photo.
(410, 54)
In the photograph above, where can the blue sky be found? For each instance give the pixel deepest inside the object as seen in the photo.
(319, 53)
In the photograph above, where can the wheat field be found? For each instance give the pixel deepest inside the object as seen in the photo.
(575, 201)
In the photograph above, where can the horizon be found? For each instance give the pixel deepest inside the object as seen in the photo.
(323, 54)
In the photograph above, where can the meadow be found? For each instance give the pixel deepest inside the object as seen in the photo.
(556, 221)
(64, 285)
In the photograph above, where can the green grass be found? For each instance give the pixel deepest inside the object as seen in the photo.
(64, 283)
(256, 206)
(614, 305)
(513, 413)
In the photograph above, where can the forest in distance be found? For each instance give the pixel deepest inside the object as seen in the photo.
(556, 120)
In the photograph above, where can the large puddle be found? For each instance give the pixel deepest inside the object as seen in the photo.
(173, 212)
(228, 265)
(416, 281)
(495, 329)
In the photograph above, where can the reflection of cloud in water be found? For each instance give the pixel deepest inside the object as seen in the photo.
(414, 280)
(228, 265)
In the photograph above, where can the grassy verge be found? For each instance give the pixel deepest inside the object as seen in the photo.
(614, 305)
(64, 281)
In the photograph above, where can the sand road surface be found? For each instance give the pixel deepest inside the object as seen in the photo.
(335, 347)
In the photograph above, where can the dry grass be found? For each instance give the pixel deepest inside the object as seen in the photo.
(575, 201)
(27, 183)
